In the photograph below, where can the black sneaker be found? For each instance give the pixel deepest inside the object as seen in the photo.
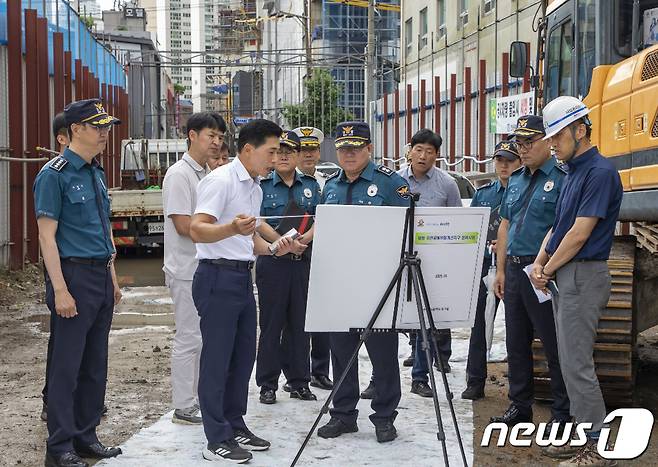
(369, 392)
(303, 394)
(249, 441)
(421, 388)
(336, 427)
(228, 450)
(267, 396)
(386, 432)
(473, 392)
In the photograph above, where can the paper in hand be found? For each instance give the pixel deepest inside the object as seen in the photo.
(541, 295)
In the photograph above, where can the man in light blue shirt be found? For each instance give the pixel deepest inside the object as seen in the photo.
(436, 188)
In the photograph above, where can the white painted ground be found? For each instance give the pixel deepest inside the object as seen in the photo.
(286, 423)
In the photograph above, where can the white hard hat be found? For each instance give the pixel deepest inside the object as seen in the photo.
(562, 111)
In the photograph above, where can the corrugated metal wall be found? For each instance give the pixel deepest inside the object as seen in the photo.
(4, 165)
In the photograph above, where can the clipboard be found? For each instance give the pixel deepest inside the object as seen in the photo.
(302, 223)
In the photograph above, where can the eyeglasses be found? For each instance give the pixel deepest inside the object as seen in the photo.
(100, 129)
(527, 145)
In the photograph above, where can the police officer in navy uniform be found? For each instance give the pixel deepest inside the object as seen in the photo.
(506, 161)
(283, 282)
(528, 212)
(310, 139)
(361, 182)
(73, 208)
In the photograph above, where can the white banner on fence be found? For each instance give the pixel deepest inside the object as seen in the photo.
(509, 109)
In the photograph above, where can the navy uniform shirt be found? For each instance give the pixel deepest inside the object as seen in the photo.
(376, 186)
(529, 205)
(304, 191)
(490, 195)
(592, 188)
(74, 193)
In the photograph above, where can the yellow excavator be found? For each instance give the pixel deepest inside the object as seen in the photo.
(606, 52)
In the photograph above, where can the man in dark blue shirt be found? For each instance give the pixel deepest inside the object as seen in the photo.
(575, 252)
(73, 208)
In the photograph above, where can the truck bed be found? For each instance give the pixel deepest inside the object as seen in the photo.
(126, 203)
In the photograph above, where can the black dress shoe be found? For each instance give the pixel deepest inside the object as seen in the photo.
(322, 382)
(68, 459)
(287, 388)
(369, 392)
(267, 396)
(303, 394)
(421, 388)
(512, 416)
(336, 427)
(386, 432)
(473, 392)
(96, 451)
(409, 361)
(446, 366)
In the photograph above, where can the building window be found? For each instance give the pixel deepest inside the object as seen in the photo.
(408, 35)
(462, 11)
(423, 27)
(441, 8)
(488, 6)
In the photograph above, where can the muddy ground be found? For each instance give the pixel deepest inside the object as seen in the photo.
(138, 389)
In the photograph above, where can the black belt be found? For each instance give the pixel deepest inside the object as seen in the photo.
(105, 262)
(586, 260)
(521, 259)
(231, 263)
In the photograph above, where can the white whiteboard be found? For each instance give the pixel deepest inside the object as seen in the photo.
(356, 251)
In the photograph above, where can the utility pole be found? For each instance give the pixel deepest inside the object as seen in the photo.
(306, 23)
(370, 81)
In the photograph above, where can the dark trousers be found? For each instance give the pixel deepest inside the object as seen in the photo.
(524, 316)
(282, 293)
(382, 348)
(421, 368)
(476, 366)
(223, 296)
(78, 368)
(320, 354)
(49, 357)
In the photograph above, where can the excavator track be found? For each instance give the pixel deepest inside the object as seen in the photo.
(614, 349)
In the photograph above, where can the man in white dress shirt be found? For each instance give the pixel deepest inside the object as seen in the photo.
(224, 227)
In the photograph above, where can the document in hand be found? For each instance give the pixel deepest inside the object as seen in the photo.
(541, 295)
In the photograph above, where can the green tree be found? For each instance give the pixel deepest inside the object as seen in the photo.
(320, 106)
(179, 89)
(88, 21)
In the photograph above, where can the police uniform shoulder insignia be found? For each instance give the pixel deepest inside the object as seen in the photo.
(561, 168)
(402, 191)
(58, 164)
(519, 170)
(385, 170)
(269, 176)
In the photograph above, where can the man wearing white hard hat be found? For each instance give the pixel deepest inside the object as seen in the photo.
(575, 253)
